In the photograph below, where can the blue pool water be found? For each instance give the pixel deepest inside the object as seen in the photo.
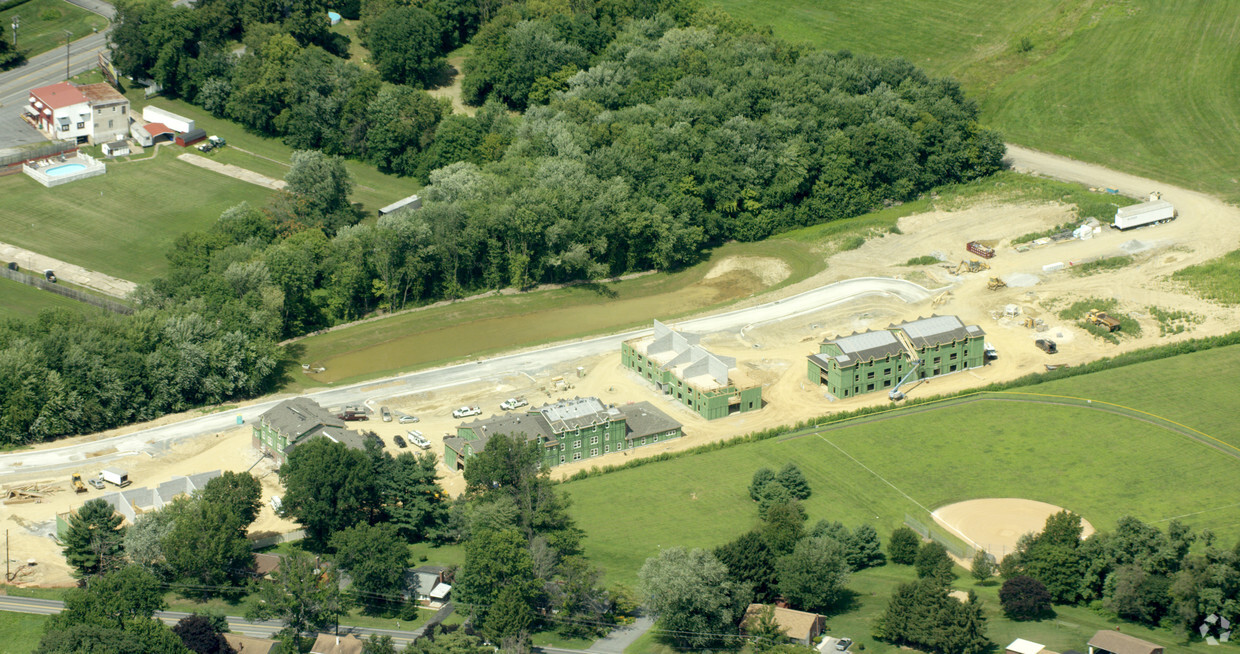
(335, 17)
(64, 170)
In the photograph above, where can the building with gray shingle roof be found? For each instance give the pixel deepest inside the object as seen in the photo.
(568, 430)
(295, 421)
(709, 384)
(875, 360)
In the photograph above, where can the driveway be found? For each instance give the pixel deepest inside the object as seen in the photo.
(620, 639)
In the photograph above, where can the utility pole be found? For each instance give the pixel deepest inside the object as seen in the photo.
(17, 21)
(68, 35)
(7, 578)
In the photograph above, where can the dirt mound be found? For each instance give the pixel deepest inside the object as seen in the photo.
(996, 523)
(768, 270)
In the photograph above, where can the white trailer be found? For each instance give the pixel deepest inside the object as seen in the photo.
(1146, 213)
(115, 477)
(177, 122)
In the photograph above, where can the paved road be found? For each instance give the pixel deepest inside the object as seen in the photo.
(237, 625)
(50, 460)
(44, 69)
(107, 284)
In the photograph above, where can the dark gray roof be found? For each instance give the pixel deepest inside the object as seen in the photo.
(1121, 643)
(820, 360)
(642, 419)
(938, 330)
(865, 347)
(453, 443)
(194, 134)
(118, 144)
(301, 418)
(531, 424)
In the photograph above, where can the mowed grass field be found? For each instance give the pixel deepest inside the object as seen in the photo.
(22, 632)
(43, 24)
(1098, 464)
(124, 222)
(20, 301)
(271, 157)
(1144, 86)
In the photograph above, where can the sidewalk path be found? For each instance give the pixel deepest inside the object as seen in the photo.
(232, 171)
(622, 637)
(107, 284)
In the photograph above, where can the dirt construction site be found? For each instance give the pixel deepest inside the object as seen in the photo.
(1039, 282)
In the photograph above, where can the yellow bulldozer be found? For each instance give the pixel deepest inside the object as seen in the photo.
(78, 486)
(995, 284)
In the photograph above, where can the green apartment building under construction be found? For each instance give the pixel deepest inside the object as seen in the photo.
(882, 359)
(675, 363)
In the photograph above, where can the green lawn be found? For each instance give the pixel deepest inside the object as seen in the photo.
(1141, 86)
(22, 632)
(43, 25)
(124, 222)
(1098, 464)
(20, 301)
(1216, 279)
(270, 156)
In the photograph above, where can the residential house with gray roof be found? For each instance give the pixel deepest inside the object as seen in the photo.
(293, 422)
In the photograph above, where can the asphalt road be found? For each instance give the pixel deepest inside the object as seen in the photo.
(44, 69)
(528, 361)
(237, 625)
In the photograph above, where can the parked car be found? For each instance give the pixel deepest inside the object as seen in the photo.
(513, 403)
(206, 147)
(1046, 345)
(843, 644)
(386, 413)
(467, 411)
(96, 482)
(216, 141)
(400, 442)
(406, 419)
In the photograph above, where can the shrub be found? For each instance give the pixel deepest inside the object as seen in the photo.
(923, 260)
(1024, 598)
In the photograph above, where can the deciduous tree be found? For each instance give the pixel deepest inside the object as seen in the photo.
(695, 598)
(375, 556)
(1024, 598)
(238, 492)
(903, 546)
(328, 488)
(302, 592)
(813, 576)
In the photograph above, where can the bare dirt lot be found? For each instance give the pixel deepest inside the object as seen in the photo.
(995, 524)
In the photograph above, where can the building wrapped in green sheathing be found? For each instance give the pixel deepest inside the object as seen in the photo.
(880, 360)
(569, 430)
(675, 363)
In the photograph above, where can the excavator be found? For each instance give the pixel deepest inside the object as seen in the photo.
(971, 266)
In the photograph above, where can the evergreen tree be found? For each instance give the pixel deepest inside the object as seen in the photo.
(934, 563)
(93, 541)
(903, 546)
(785, 525)
(864, 548)
(749, 559)
(791, 477)
(761, 477)
(813, 575)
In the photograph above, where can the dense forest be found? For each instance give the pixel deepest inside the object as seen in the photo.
(649, 133)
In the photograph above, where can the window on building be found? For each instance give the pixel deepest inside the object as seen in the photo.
(109, 123)
(952, 368)
(81, 125)
(577, 445)
(561, 458)
(594, 451)
(606, 449)
(887, 383)
(594, 440)
(643, 441)
(937, 359)
(886, 371)
(654, 439)
(122, 110)
(953, 356)
(869, 387)
(576, 456)
(561, 447)
(870, 375)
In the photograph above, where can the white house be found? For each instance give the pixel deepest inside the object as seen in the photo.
(94, 113)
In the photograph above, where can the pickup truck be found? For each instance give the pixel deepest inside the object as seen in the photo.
(467, 411)
(513, 403)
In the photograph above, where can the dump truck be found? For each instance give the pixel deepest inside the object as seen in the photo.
(1101, 319)
(78, 486)
(980, 250)
(115, 476)
(1146, 213)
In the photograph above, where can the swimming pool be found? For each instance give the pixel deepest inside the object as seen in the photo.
(64, 170)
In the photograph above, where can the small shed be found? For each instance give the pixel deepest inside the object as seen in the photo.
(186, 139)
(1114, 642)
(412, 202)
(116, 148)
(1022, 646)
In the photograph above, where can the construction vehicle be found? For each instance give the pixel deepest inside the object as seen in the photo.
(1046, 345)
(1101, 319)
(995, 284)
(971, 266)
(115, 476)
(894, 394)
(78, 486)
(351, 413)
(980, 250)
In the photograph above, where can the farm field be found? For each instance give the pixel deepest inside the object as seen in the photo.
(121, 223)
(1074, 78)
(20, 301)
(270, 156)
(43, 24)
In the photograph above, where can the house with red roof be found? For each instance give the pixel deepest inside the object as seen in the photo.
(88, 113)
